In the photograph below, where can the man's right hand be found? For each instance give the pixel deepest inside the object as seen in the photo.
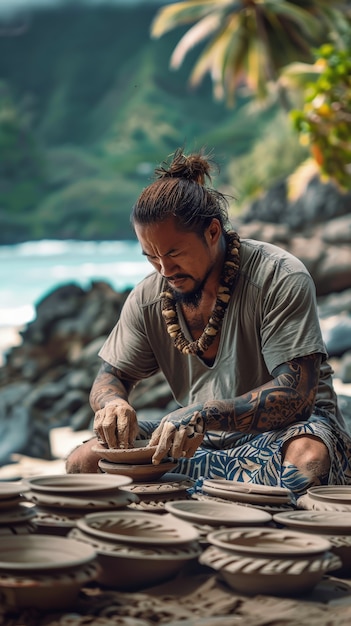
(116, 425)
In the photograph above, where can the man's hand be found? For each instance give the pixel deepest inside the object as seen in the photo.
(179, 434)
(116, 424)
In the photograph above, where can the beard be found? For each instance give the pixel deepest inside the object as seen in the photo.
(192, 298)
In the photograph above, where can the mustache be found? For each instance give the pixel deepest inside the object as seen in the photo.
(176, 277)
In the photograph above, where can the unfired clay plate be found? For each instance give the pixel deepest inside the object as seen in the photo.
(40, 552)
(269, 541)
(11, 489)
(141, 528)
(142, 453)
(165, 486)
(331, 493)
(276, 576)
(325, 521)
(243, 496)
(230, 514)
(80, 483)
(234, 485)
(137, 472)
(117, 500)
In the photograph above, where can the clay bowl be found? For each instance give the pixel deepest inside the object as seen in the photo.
(268, 560)
(137, 473)
(246, 492)
(132, 567)
(137, 528)
(331, 525)
(39, 553)
(77, 485)
(40, 572)
(141, 454)
(217, 513)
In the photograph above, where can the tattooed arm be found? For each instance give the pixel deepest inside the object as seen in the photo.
(289, 397)
(115, 421)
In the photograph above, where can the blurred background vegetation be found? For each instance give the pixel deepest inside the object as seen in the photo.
(89, 106)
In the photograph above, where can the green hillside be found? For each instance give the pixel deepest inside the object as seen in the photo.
(88, 108)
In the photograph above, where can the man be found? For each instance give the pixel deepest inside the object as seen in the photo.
(234, 328)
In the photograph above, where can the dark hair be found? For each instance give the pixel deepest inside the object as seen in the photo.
(180, 190)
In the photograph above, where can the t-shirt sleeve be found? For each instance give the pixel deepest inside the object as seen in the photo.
(127, 347)
(290, 324)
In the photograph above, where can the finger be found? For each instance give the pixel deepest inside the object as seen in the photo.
(165, 442)
(108, 426)
(156, 435)
(179, 442)
(122, 428)
(193, 444)
(98, 426)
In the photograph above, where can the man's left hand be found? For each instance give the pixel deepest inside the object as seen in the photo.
(178, 435)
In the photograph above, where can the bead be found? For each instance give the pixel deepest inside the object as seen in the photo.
(173, 328)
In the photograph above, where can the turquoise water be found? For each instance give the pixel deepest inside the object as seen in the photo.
(29, 271)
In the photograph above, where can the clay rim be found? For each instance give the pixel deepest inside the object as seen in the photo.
(324, 520)
(140, 528)
(244, 496)
(10, 489)
(56, 553)
(269, 541)
(138, 455)
(234, 485)
(81, 483)
(219, 513)
(331, 493)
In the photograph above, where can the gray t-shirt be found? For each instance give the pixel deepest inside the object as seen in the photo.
(272, 318)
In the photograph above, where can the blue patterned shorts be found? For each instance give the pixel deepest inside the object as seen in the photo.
(257, 458)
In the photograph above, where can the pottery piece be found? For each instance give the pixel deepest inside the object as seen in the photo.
(11, 489)
(331, 498)
(77, 483)
(334, 527)
(115, 500)
(137, 528)
(39, 553)
(169, 485)
(141, 454)
(18, 520)
(272, 542)
(279, 576)
(129, 567)
(45, 591)
(139, 472)
(228, 514)
(235, 485)
(241, 494)
(331, 493)
(267, 508)
(10, 503)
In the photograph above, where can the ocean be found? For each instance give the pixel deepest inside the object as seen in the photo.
(31, 270)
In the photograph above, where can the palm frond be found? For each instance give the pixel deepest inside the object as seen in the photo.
(172, 15)
(202, 30)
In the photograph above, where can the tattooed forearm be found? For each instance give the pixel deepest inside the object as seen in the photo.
(110, 384)
(289, 397)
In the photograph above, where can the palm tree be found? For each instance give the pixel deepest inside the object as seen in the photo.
(248, 41)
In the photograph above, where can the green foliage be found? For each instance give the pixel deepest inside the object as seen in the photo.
(22, 170)
(94, 109)
(324, 123)
(89, 209)
(275, 155)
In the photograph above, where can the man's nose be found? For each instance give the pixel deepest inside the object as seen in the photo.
(168, 267)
